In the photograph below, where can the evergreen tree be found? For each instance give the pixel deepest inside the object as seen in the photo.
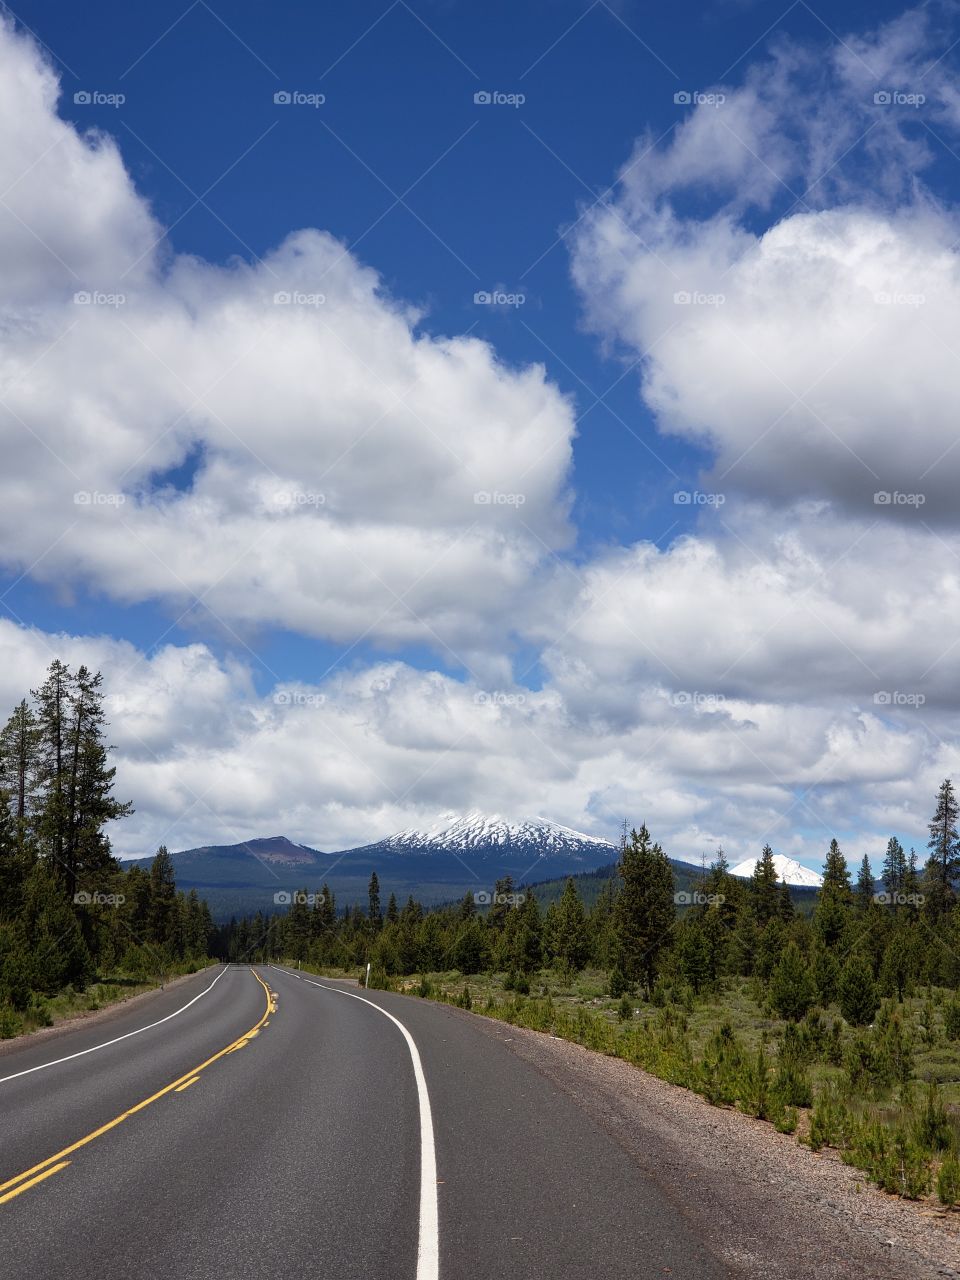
(792, 991)
(373, 897)
(943, 866)
(568, 934)
(894, 870)
(163, 899)
(864, 894)
(645, 909)
(393, 914)
(831, 915)
(857, 992)
(766, 903)
(18, 766)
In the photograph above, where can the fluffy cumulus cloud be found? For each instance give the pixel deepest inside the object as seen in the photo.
(791, 285)
(338, 471)
(285, 442)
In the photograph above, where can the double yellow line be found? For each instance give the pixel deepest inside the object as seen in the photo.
(53, 1164)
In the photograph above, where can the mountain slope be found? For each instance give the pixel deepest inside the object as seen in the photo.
(490, 835)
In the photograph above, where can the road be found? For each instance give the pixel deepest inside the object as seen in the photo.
(255, 1123)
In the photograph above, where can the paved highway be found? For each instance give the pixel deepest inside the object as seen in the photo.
(252, 1122)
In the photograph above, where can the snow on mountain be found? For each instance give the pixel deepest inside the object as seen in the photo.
(788, 869)
(477, 832)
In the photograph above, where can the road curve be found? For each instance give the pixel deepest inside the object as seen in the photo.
(286, 1126)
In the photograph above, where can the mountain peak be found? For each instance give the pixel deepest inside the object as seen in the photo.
(478, 832)
(788, 870)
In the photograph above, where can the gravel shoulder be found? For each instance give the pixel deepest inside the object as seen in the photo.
(771, 1207)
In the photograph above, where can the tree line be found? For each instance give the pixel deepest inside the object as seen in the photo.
(69, 912)
(864, 940)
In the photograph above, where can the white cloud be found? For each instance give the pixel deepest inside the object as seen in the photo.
(352, 474)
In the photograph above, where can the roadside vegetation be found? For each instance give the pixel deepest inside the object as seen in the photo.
(77, 931)
(842, 1027)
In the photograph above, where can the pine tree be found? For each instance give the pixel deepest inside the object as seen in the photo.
(831, 915)
(857, 992)
(792, 991)
(864, 895)
(163, 899)
(374, 914)
(943, 866)
(18, 766)
(393, 913)
(645, 910)
(894, 870)
(766, 904)
(568, 934)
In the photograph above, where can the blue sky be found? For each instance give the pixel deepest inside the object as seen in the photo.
(444, 197)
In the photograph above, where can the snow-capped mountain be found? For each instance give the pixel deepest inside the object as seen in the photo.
(788, 869)
(487, 833)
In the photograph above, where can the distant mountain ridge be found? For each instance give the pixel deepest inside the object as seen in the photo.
(456, 854)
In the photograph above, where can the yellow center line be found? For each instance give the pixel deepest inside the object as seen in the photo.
(180, 1087)
(33, 1181)
(112, 1124)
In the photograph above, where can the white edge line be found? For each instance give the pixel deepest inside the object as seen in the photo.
(428, 1251)
(106, 1044)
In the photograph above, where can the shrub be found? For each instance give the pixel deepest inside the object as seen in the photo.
(948, 1182)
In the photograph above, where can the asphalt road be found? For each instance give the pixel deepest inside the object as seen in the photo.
(221, 1131)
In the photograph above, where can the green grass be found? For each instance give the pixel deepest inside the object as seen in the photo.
(47, 1011)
